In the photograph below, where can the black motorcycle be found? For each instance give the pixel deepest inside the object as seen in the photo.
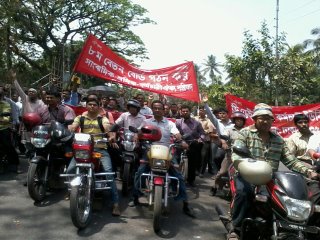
(51, 156)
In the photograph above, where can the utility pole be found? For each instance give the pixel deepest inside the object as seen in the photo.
(277, 52)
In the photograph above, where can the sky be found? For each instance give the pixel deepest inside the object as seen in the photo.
(191, 30)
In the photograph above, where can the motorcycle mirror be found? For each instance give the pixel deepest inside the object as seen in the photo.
(243, 151)
(114, 128)
(133, 129)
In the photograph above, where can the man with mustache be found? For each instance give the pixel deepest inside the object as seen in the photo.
(298, 141)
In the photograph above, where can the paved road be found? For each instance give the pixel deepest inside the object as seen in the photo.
(21, 218)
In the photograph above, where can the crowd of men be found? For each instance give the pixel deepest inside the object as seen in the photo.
(207, 134)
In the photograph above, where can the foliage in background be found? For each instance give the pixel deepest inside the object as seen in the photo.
(40, 34)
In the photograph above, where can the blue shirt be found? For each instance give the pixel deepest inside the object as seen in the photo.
(73, 100)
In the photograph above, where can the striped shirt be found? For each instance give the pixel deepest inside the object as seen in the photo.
(275, 151)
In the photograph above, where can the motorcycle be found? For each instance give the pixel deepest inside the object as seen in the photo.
(158, 180)
(129, 158)
(50, 158)
(281, 207)
(87, 179)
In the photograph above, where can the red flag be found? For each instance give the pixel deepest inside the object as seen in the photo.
(283, 115)
(97, 59)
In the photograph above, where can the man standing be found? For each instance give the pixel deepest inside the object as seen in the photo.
(174, 111)
(144, 110)
(71, 97)
(206, 154)
(191, 128)
(58, 112)
(6, 141)
(91, 125)
(298, 141)
(264, 145)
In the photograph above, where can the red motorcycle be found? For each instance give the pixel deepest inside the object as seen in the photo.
(281, 207)
(88, 178)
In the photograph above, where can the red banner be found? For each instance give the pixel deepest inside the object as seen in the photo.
(283, 115)
(97, 59)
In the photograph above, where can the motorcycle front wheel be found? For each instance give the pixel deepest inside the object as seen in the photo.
(157, 208)
(36, 181)
(126, 178)
(81, 204)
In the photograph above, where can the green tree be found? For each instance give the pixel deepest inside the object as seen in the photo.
(314, 44)
(268, 76)
(39, 31)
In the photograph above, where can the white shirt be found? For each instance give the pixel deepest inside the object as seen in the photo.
(167, 128)
(146, 111)
(314, 143)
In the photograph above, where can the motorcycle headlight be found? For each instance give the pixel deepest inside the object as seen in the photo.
(129, 146)
(298, 210)
(82, 154)
(40, 142)
(159, 163)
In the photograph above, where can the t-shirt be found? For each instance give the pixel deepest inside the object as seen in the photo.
(91, 126)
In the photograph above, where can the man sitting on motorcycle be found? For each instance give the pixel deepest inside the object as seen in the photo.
(130, 118)
(168, 128)
(91, 126)
(298, 141)
(264, 145)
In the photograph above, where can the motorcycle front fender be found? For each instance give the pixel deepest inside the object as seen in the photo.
(75, 182)
(38, 159)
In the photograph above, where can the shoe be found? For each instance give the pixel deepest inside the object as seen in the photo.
(187, 210)
(133, 202)
(213, 191)
(115, 210)
(200, 175)
(25, 184)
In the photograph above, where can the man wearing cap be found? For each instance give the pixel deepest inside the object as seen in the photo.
(264, 145)
(30, 104)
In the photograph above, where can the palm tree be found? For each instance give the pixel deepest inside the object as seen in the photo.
(200, 78)
(211, 67)
(314, 44)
